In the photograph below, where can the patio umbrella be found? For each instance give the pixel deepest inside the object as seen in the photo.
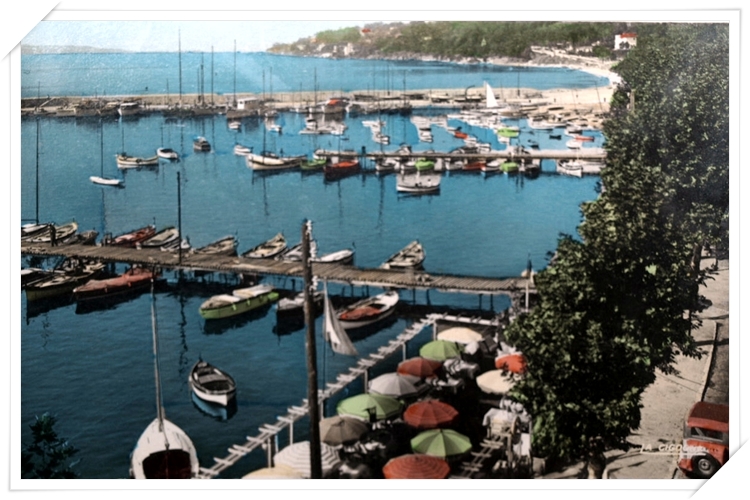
(441, 443)
(393, 384)
(420, 367)
(440, 350)
(460, 334)
(414, 466)
(338, 430)
(278, 472)
(495, 382)
(363, 405)
(515, 363)
(429, 414)
(297, 456)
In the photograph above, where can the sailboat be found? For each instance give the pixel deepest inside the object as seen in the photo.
(101, 179)
(333, 332)
(164, 451)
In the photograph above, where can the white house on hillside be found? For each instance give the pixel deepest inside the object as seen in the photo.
(625, 41)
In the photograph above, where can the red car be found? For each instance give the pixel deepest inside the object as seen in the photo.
(705, 447)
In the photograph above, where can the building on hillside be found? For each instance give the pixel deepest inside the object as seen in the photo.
(625, 41)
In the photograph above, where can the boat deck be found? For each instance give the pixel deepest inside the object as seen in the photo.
(332, 272)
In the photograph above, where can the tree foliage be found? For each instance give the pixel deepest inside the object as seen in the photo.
(48, 456)
(619, 303)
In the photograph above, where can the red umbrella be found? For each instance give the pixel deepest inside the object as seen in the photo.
(419, 367)
(416, 467)
(515, 363)
(430, 414)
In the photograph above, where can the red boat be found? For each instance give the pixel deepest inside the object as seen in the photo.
(475, 165)
(135, 279)
(132, 238)
(342, 168)
(460, 135)
(583, 138)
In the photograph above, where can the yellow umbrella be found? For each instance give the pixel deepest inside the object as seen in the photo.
(460, 334)
(281, 471)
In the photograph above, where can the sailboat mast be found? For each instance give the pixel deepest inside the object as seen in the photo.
(36, 220)
(157, 379)
(179, 62)
(234, 102)
(101, 147)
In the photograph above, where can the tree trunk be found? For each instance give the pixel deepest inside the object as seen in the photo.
(596, 462)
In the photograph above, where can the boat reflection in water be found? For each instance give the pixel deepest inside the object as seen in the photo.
(214, 410)
(219, 326)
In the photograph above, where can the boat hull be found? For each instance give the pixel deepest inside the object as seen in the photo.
(151, 459)
(376, 309)
(211, 384)
(240, 307)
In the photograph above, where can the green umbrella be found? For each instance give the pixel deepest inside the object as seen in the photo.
(441, 443)
(363, 405)
(440, 350)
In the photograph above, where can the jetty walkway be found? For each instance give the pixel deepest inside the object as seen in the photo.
(267, 437)
(586, 154)
(334, 273)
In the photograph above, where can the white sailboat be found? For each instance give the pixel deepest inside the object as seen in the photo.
(333, 332)
(101, 179)
(164, 451)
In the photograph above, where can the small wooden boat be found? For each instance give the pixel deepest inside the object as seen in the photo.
(201, 144)
(176, 246)
(267, 249)
(491, 166)
(29, 231)
(234, 124)
(410, 257)
(224, 246)
(105, 181)
(314, 164)
(460, 135)
(271, 161)
(368, 311)
(418, 184)
(167, 154)
(474, 165)
(63, 233)
(125, 161)
(164, 237)
(61, 283)
(294, 254)
(212, 384)
(295, 305)
(573, 144)
(344, 167)
(133, 238)
(239, 302)
(30, 274)
(86, 237)
(424, 164)
(583, 138)
(509, 167)
(572, 168)
(134, 280)
(345, 256)
(241, 150)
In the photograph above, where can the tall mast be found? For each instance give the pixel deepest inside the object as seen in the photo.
(37, 172)
(212, 75)
(157, 379)
(179, 59)
(234, 103)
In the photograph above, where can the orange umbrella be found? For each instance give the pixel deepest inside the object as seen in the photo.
(429, 414)
(514, 363)
(415, 466)
(419, 367)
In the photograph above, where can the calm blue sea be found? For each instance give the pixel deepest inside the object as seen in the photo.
(93, 369)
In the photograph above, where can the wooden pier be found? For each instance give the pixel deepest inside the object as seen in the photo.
(334, 273)
(586, 154)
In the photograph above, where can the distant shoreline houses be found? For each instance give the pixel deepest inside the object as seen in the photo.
(625, 41)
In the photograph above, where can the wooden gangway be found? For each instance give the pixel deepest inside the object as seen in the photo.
(586, 154)
(334, 273)
(268, 433)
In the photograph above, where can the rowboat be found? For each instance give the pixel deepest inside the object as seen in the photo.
(212, 384)
(224, 246)
(62, 233)
(134, 280)
(239, 302)
(133, 238)
(289, 306)
(271, 161)
(294, 254)
(105, 181)
(368, 311)
(410, 257)
(125, 161)
(163, 238)
(267, 249)
(61, 283)
(344, 167)
(34, 230)
(167, 154)
(509, 167)
(345, 256)
(418, 184)
(241, 150)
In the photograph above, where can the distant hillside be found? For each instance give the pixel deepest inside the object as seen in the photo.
(460, 40)
(64, 49)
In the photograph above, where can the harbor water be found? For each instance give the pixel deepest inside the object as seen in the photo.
(93, 369)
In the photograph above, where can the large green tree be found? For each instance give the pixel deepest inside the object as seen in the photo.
(618, 304)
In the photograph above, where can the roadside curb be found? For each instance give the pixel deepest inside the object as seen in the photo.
(707, 368)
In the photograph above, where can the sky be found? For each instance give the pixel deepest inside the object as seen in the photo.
(166, 36)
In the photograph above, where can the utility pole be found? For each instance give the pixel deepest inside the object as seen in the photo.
(312, 367)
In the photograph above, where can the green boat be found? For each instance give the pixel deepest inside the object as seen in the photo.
(508, 132)
(239, 302)
(424, 164)
(509, 167)
(314, 164)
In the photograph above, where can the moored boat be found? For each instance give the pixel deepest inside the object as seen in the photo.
(295, 305)
(163, 238)
(201, 144)
(418, 183)
(167, 154)
(368, 311)
(125, 161)
(134, 280)
(29, 231)
(267, 249)
(63, 233)
(224, 246)
(61, 283)
(241, 150)
(509, 167)
(345, 256)
(341, 167)
(239, 302)
(212, 384)
(410, 257)
(132, 238)
(105, 181)
(271, 161)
